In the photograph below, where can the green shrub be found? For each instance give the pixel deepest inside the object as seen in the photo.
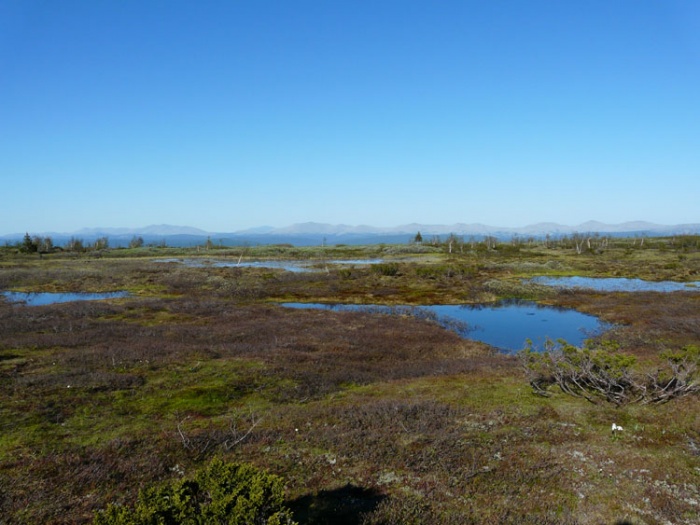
(439, 271)
(236, 494)
(431, 272)
(386, 269)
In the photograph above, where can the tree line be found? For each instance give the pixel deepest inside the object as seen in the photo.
(45, 244)
(579, 242)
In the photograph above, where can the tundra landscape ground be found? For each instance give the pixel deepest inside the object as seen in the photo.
(369, 418)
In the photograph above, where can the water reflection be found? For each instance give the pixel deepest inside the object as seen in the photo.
(289, 266)
(44, 298)
(506, 325)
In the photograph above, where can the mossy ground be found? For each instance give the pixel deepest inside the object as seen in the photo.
(374, 419)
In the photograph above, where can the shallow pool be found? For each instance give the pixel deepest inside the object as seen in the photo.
(289, 266)
(615, 284)
(44, 298)
(506, 325)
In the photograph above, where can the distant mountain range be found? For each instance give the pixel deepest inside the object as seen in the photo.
(311, 233)
(160, 229)
(542, 228)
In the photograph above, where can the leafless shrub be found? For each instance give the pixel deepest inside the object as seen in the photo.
(201, 442)
(598, 371)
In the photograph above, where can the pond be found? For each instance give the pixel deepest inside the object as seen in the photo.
(615, 284)
(289, 266)
(505, 325)
(44, 298)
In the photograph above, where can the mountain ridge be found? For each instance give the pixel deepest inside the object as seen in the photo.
(153, 229)
(484, 229)
(316, 228)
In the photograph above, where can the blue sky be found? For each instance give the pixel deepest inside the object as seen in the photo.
(226, 115)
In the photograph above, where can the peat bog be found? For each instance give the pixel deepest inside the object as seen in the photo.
(370, 419)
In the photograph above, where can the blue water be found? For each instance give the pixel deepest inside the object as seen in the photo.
(289, 266)
(277, 265)
(44, 298)
(506, 325)
(359, 262)
(616, 284)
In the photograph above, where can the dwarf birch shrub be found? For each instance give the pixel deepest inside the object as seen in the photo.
(599, 371)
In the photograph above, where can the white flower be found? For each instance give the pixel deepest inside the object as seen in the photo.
(616, 427)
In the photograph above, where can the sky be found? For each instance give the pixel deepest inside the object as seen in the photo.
(226, 115)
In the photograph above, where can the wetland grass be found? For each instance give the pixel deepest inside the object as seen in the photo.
(369, 419)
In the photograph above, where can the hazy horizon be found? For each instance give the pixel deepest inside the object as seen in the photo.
(315, 227)
(233, 115)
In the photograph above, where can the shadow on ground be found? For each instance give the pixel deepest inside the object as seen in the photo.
(344, 506)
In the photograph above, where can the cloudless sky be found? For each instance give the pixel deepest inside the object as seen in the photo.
(225, 115)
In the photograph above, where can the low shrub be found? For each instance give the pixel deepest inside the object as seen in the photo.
(386, 269)
(598, 371)
(220, 493)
